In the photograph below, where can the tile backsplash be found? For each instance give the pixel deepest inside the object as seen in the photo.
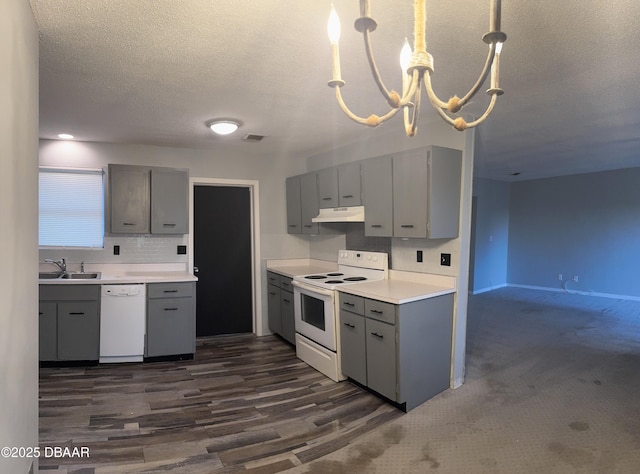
(356, 240)
(133, 249)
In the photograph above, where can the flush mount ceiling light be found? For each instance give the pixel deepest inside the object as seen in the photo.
(417, 68)
(65, 136)
(223, 126)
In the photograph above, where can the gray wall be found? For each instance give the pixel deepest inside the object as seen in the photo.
(19, 215)
(586, 225)
(491, 238)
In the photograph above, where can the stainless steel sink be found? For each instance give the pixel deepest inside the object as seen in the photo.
(49, 275)
(82, 276)
(69, 276)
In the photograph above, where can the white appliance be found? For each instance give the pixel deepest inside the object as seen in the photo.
(122, 323)
(316, 307)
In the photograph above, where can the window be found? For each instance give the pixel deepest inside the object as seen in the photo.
(71, 208)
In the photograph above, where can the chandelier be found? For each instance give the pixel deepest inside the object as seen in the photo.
(417, 68)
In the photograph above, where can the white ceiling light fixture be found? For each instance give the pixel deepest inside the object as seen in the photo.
(417, 68)
(65, 136)
(223, 126)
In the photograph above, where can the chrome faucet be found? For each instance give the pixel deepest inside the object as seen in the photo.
(62, 264)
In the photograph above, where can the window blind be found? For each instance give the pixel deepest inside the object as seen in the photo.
(71, 208)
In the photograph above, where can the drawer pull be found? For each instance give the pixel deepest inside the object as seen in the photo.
(308, 225)
(286, 300)
(348, 303)
(376, 226)
(379, 336)
(349, 325)
(376, 311)
(129, 223)
(348, 196)
(170, 291)
(41, 314)
(77, 314)
(168, 225)
(327, 199)
(273, 293)
(407, 226)
(171, 309)
(293, 225)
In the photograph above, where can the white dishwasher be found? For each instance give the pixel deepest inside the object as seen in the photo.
(122, 323)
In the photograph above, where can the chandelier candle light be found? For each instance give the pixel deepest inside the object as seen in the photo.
(417, 68)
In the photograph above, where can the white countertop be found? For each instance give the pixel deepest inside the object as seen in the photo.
(404, 287)
(300, 266)
(125, 274)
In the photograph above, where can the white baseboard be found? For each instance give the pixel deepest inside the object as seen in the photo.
(489, 288)
(576, 292)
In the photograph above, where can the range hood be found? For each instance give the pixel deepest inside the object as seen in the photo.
(340, 214)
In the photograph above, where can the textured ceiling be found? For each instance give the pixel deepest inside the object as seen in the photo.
(154, 71)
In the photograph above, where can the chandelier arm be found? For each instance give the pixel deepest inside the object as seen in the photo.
(371, 121)
(483, 76)
(391, 97)
(410, 91)
(459, 123)
(479, 120)
(411, 125)
(433, 98)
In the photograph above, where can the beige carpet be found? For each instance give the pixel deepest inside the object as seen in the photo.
(552, 386)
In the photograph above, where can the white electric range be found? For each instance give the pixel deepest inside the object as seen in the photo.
(316, 307)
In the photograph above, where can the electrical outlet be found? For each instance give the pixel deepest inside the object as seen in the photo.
(419, 256)
(445, 259)
(116, 250)
(575, 278)
(182, 249)
(560, 276)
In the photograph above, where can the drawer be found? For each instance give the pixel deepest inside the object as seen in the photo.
(273, 278)
(69, 292)
(380, 310)
(170, 290)
(352, 303)
(285, 283)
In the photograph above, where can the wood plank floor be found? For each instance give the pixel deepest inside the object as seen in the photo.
(244, 404)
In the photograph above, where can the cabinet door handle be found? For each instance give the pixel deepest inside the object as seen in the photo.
(327, 199)
(348, 196)
(77, 314)
(349, 325)
(286, 300)
(171, 309)
(273, 293)
(407, 226)
(128, 223)
(308, 225)
(170, 291)
(376, 226)
(293, 225)
(168, 225)
(379, 336)
(41, 314)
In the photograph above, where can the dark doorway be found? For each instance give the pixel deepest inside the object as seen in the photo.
(222, 255)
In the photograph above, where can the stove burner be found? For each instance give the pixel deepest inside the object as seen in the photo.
(333, 282)
(355, 278)
(335, 274)
(315, 277)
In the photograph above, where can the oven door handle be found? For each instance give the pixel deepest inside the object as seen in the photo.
(314, 289)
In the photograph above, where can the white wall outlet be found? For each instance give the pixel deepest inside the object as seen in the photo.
(560, 276)
(575, 278)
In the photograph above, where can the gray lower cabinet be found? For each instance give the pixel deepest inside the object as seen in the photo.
(402, 352)
(280, 306)
(171, 319)
(69, 322)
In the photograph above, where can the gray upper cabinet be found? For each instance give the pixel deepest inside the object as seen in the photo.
(294, 206)
(129, 193)
(426, 193)
(328, 188)
(349, 185)
(147, 200)
(309, 202)
(377, 195)
(169, 201)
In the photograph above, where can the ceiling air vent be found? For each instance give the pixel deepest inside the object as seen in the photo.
(250, 137)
